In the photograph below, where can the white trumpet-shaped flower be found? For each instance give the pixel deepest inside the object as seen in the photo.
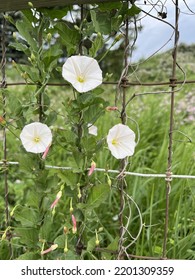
(82, 72)
(121, 141)
(36, 137)
(92, 129)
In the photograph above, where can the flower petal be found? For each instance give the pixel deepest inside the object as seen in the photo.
(82, 66)
(121, 141)
(34, 131)
(92, 129)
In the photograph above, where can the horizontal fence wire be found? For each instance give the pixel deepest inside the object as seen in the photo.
(108, 83)
(150, 175)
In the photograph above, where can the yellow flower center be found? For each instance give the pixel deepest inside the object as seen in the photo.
(37, 139)
(114, 142)
(81, 79)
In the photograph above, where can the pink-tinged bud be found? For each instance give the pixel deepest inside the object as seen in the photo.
(111, 108)
(46, 152)
(92, 168)
(74, 222)
(52, 248)
(2, 121)
(58, 196)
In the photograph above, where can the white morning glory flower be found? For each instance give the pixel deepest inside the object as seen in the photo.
(121, 141)
(82, 72)
(92, 129)
(36, 137)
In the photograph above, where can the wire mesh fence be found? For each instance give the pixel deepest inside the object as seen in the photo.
(122, 86)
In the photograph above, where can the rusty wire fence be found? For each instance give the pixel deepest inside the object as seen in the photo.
(121, 86)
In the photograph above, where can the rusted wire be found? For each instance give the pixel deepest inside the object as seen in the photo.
(128, 84)
(170, 146)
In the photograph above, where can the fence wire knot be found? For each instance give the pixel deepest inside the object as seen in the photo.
(168, 177)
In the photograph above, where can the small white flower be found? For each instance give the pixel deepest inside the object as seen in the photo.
(121, 141)
(36, 137)
(92, 129)
(82, 72)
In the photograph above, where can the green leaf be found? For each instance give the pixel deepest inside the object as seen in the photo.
(51, 54)
(46, 229)
(116, 22)
(15, 107)
(54, 13)
(109, 6)
(27, 216)
(134, 10)
(28, 236)
(33, 199)
(20, 47)
(28, 14)
(68, 178)
(29, 256)
(91, 244)
(32, 72)
(113, 246)
(101, 22)
(28, 163)
(26, 30)
(95, 110)
(60, 240)
(4, 250)
(97, 44)
(97, 196)
(51, 118)
(69, 37)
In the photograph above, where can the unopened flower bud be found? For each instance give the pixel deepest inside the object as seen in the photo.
(65, 230)
(14, 35)
(30, 4)
(32, 57)
(76, 27)
(109, 182)
(52, 248)
(24, 75)
(58, 196)
(66, 245)
(97, 242)
(71, 208)
(79, 195)
(46, 152)
(92, 168)
(74, 229)
(49, 36)
(2, 121)
(111, 108)
(14, 63)
(65, 250)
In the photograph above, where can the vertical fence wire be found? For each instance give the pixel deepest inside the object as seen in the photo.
(170, 145)
(4, 166)
(124, 80)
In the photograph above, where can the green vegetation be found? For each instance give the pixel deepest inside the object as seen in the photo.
(151, 112)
